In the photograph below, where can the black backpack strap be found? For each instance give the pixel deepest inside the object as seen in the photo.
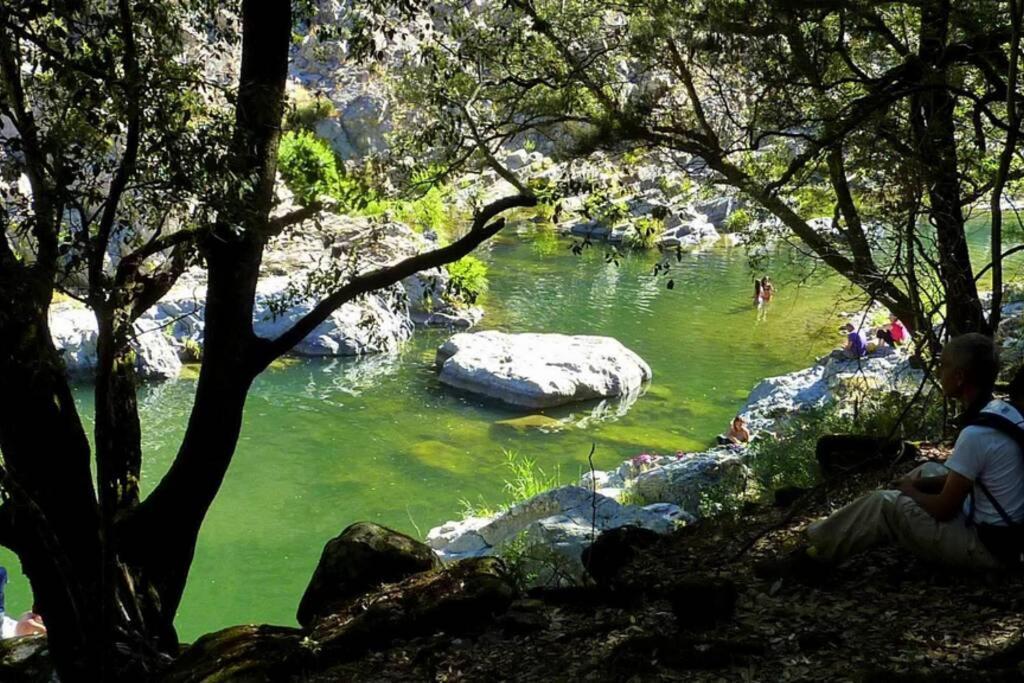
(1015, 431)
(995, 503)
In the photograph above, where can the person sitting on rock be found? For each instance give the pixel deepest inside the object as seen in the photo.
(894, 333)
(855, 346)
(964, 514)
(738, 433)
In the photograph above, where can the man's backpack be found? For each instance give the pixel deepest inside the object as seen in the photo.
(1006, 543)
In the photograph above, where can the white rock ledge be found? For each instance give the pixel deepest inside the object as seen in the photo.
(540, 370)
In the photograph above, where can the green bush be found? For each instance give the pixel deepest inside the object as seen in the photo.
(788, 459)
(738, 221)
(525, 480)
(304, 109)
(528, 479)
(427, 212)
(308, 166)
(311, 170)
(644, 233)
(467, 280)
(193, 351)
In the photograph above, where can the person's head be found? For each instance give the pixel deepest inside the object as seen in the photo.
(968, 366)
(892, 318)
(738, 422)
(847, 328)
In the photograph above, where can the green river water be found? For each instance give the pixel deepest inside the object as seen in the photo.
(329, 442)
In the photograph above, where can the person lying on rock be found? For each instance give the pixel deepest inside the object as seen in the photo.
(964, 514)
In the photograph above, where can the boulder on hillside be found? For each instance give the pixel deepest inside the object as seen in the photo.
(459, 599)
(839, 454)
(540, 370)
(614, 549)
(256, 654)
(361, 558)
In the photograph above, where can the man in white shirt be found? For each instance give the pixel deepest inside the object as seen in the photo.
(935, 511)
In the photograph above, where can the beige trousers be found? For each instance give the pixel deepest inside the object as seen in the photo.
(890, 517)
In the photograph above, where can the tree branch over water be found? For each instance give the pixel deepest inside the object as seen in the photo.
(485, 225)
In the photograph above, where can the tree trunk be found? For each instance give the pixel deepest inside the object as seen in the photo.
(934, 131)
(159, 538)
(50, 517)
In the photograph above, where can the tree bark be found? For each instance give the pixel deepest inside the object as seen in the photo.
(934, 132)
(50, 517)
(158, 539)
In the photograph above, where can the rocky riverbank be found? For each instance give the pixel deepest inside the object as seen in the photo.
(664, 491)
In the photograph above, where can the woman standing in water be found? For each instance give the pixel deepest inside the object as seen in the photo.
(767, 289)
(758, 294)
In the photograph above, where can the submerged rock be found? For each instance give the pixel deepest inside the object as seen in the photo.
(540, 370)
(361, 558)
(541, 423)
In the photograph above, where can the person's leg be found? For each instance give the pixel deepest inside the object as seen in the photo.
(952, 543)
(889, 517)
(854, 528)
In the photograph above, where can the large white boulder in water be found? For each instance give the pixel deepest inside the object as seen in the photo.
(540, 370)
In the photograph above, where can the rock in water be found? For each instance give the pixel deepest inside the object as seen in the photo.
(361, 558)
(540, 370)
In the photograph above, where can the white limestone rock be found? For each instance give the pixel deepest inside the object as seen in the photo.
(682, 481)
(74, 332)
(378, 323)
(540, 370)
(561, 521)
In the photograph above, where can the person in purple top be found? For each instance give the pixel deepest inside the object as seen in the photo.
(855, 347)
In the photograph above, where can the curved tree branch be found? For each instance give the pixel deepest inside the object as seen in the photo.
(482, 229)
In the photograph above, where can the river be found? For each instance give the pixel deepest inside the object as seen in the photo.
(329, 442)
